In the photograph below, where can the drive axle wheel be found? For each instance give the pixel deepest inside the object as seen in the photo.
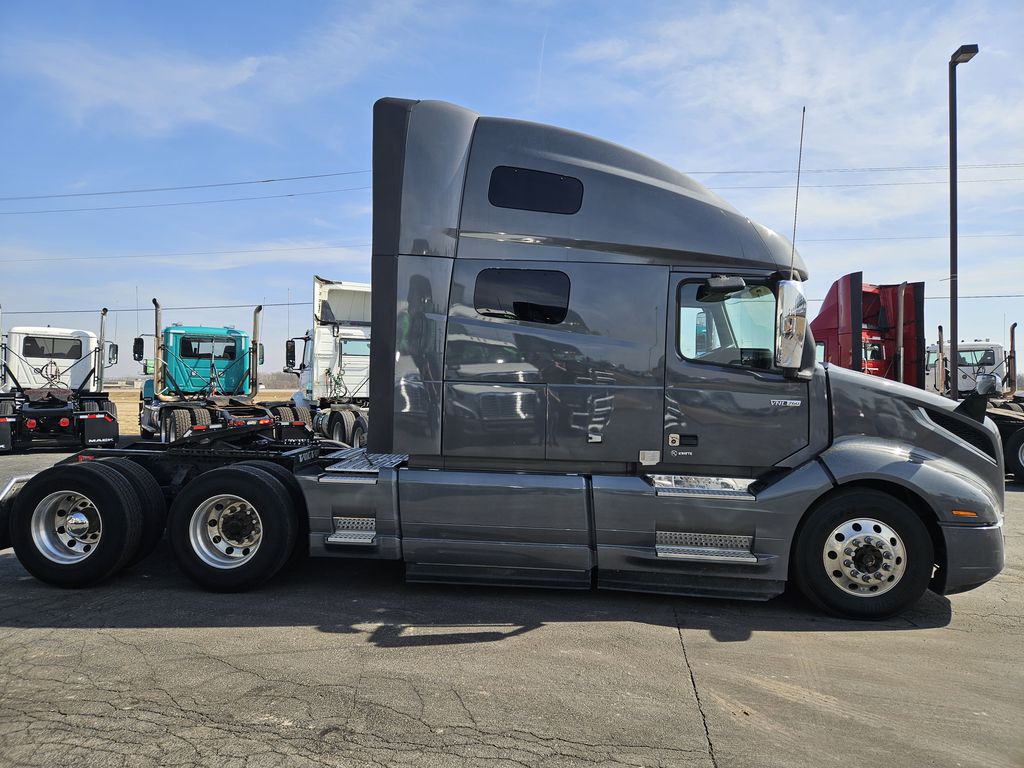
(863, 554)
(75, 525)
(1013, 453)
(232, 528)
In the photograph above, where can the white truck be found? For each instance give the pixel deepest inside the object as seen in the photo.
(334, 374)
(51, 388)
(976, 357)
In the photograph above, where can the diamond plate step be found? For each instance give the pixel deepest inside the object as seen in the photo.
(705, 547)
(353, 530)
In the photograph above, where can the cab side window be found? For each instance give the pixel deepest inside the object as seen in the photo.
(734, 328)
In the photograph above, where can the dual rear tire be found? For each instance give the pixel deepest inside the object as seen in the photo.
(230, 529)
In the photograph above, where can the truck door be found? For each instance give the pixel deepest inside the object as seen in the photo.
(728, 410)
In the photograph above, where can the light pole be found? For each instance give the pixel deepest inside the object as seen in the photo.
(962, 55)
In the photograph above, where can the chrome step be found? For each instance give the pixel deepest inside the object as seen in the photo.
(705, 547)
(358, 460)
(360, 531)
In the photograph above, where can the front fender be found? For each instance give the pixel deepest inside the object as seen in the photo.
(942, 484)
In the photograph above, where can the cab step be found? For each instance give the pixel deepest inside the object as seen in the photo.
(705, 547)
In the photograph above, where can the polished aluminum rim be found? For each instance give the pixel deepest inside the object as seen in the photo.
(66, 527)
(864, 557)
(225, 531)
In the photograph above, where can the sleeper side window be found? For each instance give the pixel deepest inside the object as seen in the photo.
(727, 327)
(529, 295)
(529, 190)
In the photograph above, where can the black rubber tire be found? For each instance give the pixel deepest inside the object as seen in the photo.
(341, 426)
(6, 408)
(90, 406)
(153, 505)
(110, 408)
(815, 583)
(6, 505)
(283, 412)
(291, 484)
(358, 433)
(121, 515)
(1013, 455)
(270, 499)
(177, 418)
(200, 416)
(305, 415)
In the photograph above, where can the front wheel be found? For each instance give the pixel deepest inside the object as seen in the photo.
(1013, 455)
(863, 554)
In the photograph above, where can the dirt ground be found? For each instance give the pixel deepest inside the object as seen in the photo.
(127, 402)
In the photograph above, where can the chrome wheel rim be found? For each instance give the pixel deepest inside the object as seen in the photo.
(225, 531)
(66, 527)
(864, 557)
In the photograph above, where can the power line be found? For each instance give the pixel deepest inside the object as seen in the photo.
(898, 237)
(189, 253)
(187, 202)
(893, 168)
(869, 184)
(171, 309)
(189, 186)
(309, 303)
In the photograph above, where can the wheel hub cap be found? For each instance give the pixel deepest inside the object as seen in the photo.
(66, 527)
(864, 557)
(225, 531)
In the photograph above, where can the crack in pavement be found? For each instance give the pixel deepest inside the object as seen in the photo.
(696, 693)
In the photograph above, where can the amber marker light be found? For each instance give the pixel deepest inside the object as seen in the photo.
(964, 513)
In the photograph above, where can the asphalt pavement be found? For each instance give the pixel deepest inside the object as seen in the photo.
(344, 664)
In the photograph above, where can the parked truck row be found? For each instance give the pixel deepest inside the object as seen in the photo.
(587, 370)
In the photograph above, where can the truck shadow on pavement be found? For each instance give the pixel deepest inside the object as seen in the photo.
(372, 599)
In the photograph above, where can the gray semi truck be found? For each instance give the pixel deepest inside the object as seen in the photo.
(644, 411)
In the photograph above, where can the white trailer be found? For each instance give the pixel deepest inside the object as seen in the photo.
(334, 372)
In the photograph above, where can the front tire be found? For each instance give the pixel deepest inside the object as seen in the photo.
(1013, 455)
(863, 554)
(232, 528)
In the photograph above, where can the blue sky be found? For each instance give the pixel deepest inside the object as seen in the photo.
(107, 96)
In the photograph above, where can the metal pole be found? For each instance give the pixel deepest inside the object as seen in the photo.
(954, 357)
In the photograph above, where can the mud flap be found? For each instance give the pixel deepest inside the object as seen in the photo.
(98, 432)
(6, 434)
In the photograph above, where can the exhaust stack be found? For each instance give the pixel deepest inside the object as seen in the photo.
(158, 352)
(1011, 361)
(100, 350)
(940, 365)
(899, 331)
(254, 352)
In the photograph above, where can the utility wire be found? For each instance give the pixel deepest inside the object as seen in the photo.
(132, 257)
(188, 253)
(186, 202)
(889, 169)
(870, 184)
(212, 185)
(189, 186)
(179, 309)
(310, 303)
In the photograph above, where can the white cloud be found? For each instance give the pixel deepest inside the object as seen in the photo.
(154, 90)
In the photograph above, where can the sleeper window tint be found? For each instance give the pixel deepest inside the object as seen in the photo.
(530, 190)
(530, 295)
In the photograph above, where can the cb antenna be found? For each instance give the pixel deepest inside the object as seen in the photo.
(796, 204)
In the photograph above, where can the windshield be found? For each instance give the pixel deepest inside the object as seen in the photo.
(201, 347)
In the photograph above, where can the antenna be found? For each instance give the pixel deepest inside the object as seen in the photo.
(796, 204)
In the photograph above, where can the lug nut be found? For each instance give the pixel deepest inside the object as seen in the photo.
(865, 577)
(887, 555)
(847, 551)
(854, 572)
(886, 567)
(847, 563)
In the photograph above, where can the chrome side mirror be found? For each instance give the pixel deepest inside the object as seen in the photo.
(987, 384)
(790, 325)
